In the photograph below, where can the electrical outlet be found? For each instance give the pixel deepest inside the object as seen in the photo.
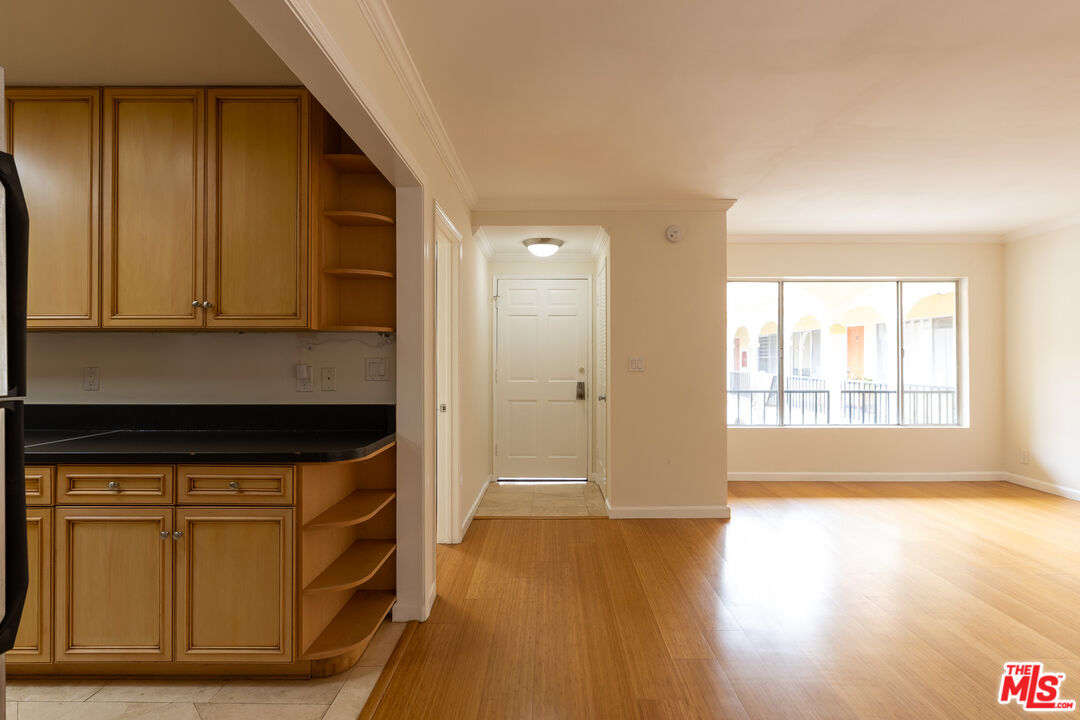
(1025, 456)
(303, 378)
(91, 379)
(328, 379)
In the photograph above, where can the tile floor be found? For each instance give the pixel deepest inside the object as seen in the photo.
(341, 697)
(510, 499)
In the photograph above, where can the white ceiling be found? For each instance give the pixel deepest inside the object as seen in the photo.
(845, 116)
(580, 242)
(133, 42)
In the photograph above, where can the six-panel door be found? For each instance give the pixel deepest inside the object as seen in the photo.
(234, 585)
(114, 584)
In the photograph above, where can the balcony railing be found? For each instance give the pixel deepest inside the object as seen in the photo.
(807, 401)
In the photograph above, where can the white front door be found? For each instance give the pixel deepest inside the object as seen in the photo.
(542, 353)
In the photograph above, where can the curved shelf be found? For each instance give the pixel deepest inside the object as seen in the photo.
(357, 273)
(354, 626)
(359, 507)
(351, 162)
(354, 567)
(358, 218)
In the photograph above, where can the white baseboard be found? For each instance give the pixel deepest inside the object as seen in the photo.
(1043, 486)
(476, 504)
(404, 612)
(722, 512)
(965, 476)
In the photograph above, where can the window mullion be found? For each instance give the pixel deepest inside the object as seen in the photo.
(900, 353)
(781, 400)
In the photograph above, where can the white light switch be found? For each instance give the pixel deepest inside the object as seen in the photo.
(637, 364)
(375, 369)
(303, 378)
(91, 378)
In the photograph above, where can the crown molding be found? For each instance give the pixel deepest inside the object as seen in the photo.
(599, 242)
(393, 46)
(865, 239)
(484, 243)
(1041, 228)
(585, 204)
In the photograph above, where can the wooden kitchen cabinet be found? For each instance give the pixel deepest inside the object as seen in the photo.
(234, 585)
(54, 136)
(33, 643)
(114, 584)
(152, 265)
(257, 195)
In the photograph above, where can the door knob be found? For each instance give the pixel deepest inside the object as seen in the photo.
(164, 534)
(581, 390)
(207, 304)
(601, 398)
(177, 534)
(113, 485)
(234, 485)
(195, 303)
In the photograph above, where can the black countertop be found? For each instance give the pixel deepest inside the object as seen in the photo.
(205, 433)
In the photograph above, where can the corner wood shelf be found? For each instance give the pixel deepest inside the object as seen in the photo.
(354, 567)
(351, 162)
(354, 626)
(358, 507)
(358, 218)
(357, 273)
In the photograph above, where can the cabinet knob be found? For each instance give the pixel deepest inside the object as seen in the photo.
(195, 303)
(164, 534)
(177, 534)
(234, 485)
(113, 485)
(207, 304)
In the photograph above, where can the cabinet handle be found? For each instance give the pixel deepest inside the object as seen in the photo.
(207, 304)
(113, 485)
(234, 485)
(164, 534)
(195, 303)
(177, 534)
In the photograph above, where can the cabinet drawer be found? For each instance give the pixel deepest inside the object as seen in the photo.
(233, 485)
(121, 485)
(39, 485)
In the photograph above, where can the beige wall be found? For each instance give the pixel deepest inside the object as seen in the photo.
(974, 452)
(1042, 348)
(475, 293)
(667, 305)
(204, 367)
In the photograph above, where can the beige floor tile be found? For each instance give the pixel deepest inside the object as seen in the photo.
(30, 689)
(241, 711)
(354, 693)
(385, 640)
(547, 506)
(158, 690)
(520, 505)
(567, 492)
(106, 711)
(306, 692)
(12, 710)
(596, 507)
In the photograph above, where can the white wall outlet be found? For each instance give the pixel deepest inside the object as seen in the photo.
(637, 364)
(328, 379)
(1025, 456)
(91, 378)
(303, 378)
(376, 369)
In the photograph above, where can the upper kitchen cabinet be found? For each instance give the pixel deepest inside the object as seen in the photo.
(257, 181)
(153, 208)
(55, 137)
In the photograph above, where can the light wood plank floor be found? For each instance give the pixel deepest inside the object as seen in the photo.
(817, 600)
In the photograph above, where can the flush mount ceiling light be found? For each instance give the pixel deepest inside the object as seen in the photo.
(543, 247)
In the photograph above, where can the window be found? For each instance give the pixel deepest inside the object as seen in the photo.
(839, 346)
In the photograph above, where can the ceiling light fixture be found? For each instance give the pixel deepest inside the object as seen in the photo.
(543, 247)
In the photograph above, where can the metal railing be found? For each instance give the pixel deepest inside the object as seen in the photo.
(929, 405)
(801, 407)
(866, 403)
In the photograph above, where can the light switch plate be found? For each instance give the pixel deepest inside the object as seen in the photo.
(303, 378)
(376, 369)
(91, 378)
(637, 364)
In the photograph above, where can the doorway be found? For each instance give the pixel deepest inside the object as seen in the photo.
(447, 456)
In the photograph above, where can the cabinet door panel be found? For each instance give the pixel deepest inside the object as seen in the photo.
(153, 210)
(234, 585)
(117, 485)
(54, 136)
(114, 584)
(234, 485)
(258, 195)
(33, 643)
(39, 485)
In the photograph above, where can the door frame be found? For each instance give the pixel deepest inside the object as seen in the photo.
(447, 383)
(590, 396)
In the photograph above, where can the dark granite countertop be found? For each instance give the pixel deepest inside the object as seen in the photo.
(205, 434)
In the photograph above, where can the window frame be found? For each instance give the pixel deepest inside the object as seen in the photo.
(958, 323)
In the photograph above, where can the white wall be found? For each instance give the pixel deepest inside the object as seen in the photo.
(1042, 359)
(210, 368)
(668, 426)
(972, 452)
(474, 337)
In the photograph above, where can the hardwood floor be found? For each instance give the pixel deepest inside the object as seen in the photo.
(816, 600)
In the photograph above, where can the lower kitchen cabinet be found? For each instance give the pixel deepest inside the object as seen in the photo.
(234, 585)
(114, 584)
(33, 643)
